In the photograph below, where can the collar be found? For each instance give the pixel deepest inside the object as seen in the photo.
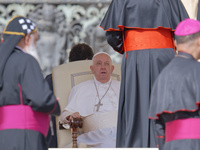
(19, 48)
(99, 83)
(186, 55)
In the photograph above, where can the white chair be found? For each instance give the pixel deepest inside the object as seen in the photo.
(191, 7)
(64, 78)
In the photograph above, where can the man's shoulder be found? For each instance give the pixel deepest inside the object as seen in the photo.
(116, 82)
(84, 84)
(21, 59)
(18, 54)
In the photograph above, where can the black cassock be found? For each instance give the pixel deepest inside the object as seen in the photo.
(52, 133)
(176, 97)
(22, 73)
(139, 67)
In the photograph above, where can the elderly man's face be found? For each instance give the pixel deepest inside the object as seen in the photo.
(102, 68)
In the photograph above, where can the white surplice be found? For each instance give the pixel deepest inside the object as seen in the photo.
(84, 97)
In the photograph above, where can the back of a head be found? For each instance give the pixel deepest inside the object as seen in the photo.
(80, 51)
(187, 31)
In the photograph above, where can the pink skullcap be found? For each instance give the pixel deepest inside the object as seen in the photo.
(187, 27)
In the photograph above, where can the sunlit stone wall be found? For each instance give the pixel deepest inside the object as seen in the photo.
(61, 24)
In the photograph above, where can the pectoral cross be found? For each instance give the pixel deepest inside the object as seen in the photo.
(98, 105)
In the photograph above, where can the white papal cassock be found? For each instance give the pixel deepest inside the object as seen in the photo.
(99, 126)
